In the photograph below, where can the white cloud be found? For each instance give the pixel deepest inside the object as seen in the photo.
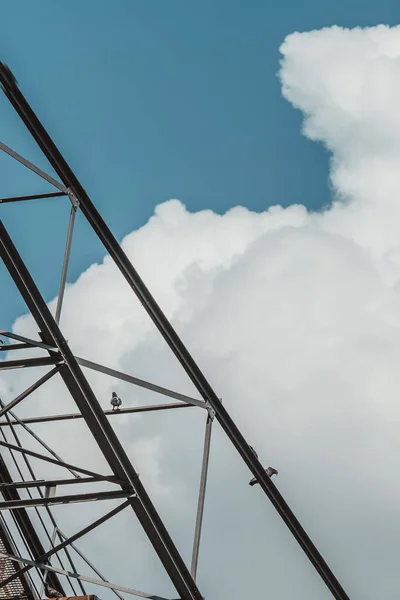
(295, 318)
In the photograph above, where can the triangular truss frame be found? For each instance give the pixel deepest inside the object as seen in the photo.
(62, 361)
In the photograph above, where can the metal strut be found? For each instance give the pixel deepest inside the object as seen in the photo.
(29, 532)
(87, 207)
(98, 423)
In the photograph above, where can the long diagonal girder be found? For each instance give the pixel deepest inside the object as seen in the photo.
(75, 189)
(97, 422)
(101, 582)
(6, 408)
(28, 531)
(73, 538)
(19, 587)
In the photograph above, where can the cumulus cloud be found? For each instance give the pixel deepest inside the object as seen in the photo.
(294, 317)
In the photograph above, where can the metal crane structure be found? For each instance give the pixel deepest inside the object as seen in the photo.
(29, 546)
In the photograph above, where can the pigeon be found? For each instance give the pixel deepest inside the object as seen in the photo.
(115, 401)
(52, 593)
(269, 471)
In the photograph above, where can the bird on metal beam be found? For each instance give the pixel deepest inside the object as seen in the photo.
(269, 470)
(115, 401)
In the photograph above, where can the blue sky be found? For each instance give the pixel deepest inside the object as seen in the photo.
(153, 100)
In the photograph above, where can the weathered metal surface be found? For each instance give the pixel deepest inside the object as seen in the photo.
(18, 589)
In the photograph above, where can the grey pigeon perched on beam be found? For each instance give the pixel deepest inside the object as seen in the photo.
(269, 471)
(115, 401)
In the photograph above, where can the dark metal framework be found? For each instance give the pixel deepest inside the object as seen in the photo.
(20, 587)
(122, 474)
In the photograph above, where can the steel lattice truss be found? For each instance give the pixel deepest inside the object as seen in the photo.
(25, 565)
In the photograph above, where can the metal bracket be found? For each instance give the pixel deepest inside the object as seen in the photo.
(210, 410)
(50, 491)
(74, 200)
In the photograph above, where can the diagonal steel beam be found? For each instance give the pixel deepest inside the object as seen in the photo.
(64, 271)
(47, 509)
(112, 372)
(40, 361)
(23, 583)
(98, 423)
(139, 382)
(28, 532)
(17, 421)
(5, 409)
(67, 499)
(8, 347)
(16, 485)
(202, 496)
(32, 197)
(21, 338)
(87, 561)
(32, 167)
(100, 582)
(59, 463)
(46, 555)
